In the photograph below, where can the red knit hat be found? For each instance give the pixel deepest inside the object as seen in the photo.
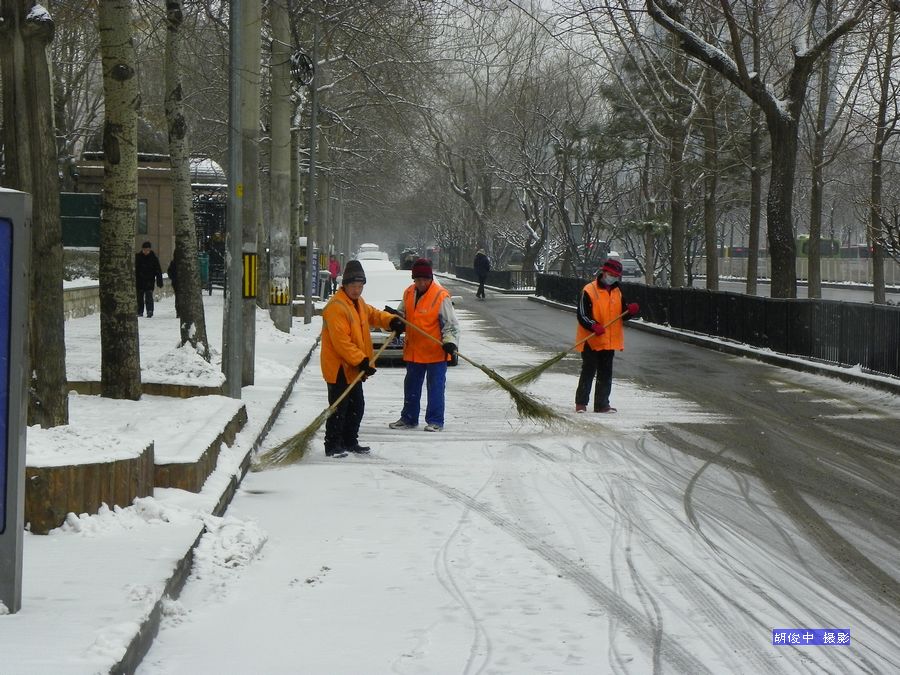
(421, 269)
(613, 267)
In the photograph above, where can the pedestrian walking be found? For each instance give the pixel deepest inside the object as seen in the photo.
(334, 269)
(347, 351)
(600, 303)
(482, 266)
(146, 271)
(426, 305)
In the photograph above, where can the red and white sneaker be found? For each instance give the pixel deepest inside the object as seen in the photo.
(606, 409)
(580, 408)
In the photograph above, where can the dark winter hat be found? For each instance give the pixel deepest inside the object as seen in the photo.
(613, 267)
(421, 269)
(146, 244)
(353, 271)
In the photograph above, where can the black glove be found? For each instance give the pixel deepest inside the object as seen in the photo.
(365, 367)
(159, 283)
(397, 325)
(450, 348)
(391, 310)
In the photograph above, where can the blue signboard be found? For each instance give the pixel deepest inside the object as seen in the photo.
(5, 306)
(15, 251)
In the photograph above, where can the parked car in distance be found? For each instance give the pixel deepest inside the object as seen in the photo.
(630, 268)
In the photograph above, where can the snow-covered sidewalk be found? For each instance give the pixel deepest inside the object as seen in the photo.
(90, 586)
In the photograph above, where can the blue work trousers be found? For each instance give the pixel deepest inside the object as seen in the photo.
(435, 376)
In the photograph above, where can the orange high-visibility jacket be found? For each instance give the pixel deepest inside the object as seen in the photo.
(426, 315)
(345, 335)
(607, 305)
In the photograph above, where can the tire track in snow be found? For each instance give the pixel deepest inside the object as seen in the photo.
(481, 642)
(669, 649)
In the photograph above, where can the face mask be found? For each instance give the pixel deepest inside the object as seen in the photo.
(608, 279)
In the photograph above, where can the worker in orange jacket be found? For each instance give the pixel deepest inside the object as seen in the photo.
(427, 305)
(347, 351)
(598, 308)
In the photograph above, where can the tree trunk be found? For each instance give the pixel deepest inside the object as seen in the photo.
(188, 292)
(818, 180)
(711, 181)
(676, 187)
(31, 166)
(120, 369)
(779, 207)
(280, 227)
(876, 233)
(755, 201)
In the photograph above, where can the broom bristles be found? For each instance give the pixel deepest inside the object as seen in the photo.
(526, 406)
(533, 373)
(293, 449)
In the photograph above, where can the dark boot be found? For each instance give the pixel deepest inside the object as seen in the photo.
(358, 449)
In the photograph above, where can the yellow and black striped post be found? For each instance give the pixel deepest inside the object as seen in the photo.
(250, 275)
(279, 292)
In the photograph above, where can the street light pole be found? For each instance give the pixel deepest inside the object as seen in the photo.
(232, 347)
(311, 193)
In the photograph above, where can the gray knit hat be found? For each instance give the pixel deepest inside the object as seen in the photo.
(353, 271)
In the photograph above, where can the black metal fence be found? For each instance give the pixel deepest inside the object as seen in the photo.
(843, 333)
(514, 280)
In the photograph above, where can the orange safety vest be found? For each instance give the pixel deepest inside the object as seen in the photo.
(607, 305)
(425, 314)
(345, 335)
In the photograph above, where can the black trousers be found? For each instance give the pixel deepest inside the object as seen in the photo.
(342, 428)
(480, 292)
(145, 297)
(596, 370)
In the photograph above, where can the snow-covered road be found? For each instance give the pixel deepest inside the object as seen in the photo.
(501, 546)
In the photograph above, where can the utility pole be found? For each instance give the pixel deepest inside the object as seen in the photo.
(232, 347)
(311, 280)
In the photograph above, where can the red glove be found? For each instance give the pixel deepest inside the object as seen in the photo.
(633, 309)
(598, 329)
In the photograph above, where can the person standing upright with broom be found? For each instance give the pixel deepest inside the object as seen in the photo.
(426, 305)
(347, 351)
(599, 335)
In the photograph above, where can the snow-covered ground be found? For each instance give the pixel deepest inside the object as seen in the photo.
(502, 546)
(496, 546)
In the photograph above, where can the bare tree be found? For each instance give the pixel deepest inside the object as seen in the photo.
(120, 368)
(782, 111)
(30, 153)
(188, 293)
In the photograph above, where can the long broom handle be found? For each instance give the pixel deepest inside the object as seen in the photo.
(356, 379)
(588, 337)
(434, 339)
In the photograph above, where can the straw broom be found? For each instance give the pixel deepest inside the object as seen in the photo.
(533, 373)
(526, 406)
(294, 448)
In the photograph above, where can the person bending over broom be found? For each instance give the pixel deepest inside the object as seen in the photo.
(599, 307)
(346, 352)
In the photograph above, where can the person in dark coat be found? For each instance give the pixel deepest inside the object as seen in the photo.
(146, 270)
(482, 266)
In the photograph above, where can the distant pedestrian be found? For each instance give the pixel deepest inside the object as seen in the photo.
(482, 267)
(146, 271)
(427, 306)
(347, 351)
(334, 269)
(600, 303)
